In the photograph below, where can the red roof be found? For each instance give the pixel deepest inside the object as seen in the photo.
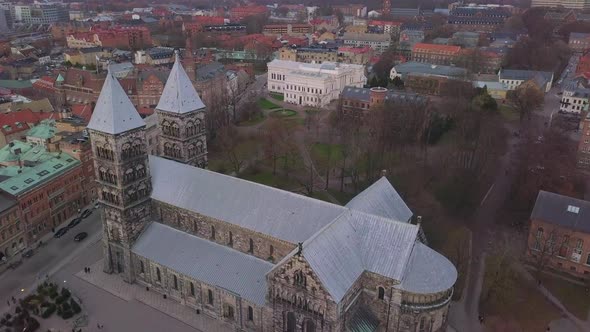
(82, 111)
(437, 48)
(12, 128)
(25, 116)
(145, 111)
(209, 20)
(355, 50)
(383, 23)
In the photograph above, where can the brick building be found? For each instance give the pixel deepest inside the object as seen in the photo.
(287, 29)
(12, 229)
(559, 236)
(435, 54)
(583, 64)
(262, 265)
(478, 18)
(357, 102)
(129, 38)
(584, 144)
(358, 10)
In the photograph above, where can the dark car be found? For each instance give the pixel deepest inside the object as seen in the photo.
(29, 253)
(80, 236)
(60, 232)
(86, 213)
(74, 222)
(14, 264)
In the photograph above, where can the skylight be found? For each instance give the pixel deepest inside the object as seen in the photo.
(573, 209)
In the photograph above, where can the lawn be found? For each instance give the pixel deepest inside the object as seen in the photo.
(283, 113)
(277, 96)
(267, 178)
(342, 197)
(572, 296)
(522, 308)
(324, 151)
(258, 118)
(267, 104)
(508, 113)
(322, 195)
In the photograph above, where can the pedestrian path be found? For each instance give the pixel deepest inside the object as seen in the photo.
(115, 285)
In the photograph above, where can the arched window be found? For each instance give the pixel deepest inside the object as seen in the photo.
(190, 129)
(158, 275)
(175, 281)
(538, 238)
(212, 232)
(381, 293)
(424, 325)
(309, 326)
(210, 297)
(291, 322)
(192, 289)
(141, 267)
(251, 248)
(250, 313)
(175, 131)
(230, 240)
(271, 250)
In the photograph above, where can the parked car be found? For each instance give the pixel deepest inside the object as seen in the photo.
(74, 222)
(60, 232)
(14, 264)
(96, 205)
(29, 253)
(86, 213)
(80, 236)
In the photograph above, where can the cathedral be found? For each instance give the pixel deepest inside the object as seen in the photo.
(254, 257)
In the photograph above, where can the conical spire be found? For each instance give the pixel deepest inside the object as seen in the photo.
(179, 95)
(114, 113)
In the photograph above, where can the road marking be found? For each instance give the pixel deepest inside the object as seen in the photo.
(487, 194)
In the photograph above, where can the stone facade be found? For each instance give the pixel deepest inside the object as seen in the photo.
(183, 137)
(122, 173)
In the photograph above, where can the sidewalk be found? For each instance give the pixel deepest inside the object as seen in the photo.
(115, 285)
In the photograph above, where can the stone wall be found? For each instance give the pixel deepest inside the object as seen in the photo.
(263, 246)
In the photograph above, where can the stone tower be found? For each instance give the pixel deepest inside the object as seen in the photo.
(181, 120)
(117, 133)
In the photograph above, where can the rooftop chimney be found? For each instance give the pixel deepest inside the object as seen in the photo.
(383, 172)
(419, 221)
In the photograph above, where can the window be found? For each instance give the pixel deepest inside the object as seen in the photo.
(230, 240)
(141, 267)
(210, 297)
(538, 239)
(212, 232)
(192, 288)
(381, 293)
(228, 311)
(250, 313)
(251, 248)
(309, 326)
(158, 275)
(271, 250)
(588, 259)
(175, 281)
(564, 246)
(573, 209)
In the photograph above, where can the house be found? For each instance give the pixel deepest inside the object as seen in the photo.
(574, 99)
(403, 69)
(584, 144)
(579, 42)
(515, 77)
(357, 102)
(435, 54)
(559, 235)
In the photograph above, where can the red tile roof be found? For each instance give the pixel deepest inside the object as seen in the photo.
(436, 48)
(25, 116)
(82, 111)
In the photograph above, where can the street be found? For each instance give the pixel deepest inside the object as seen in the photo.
(48, 259)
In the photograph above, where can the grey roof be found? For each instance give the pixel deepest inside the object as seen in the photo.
(553, 208)
(209, 71)
(278, 213)
(114, 113)
(381, 199)
(356, 242)
(428, 272)
(364, 94)
(523, 75)
(429, 69)
(579, 35)
(179, 95)
(204, 260)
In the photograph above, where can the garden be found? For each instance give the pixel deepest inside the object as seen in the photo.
(47, 300)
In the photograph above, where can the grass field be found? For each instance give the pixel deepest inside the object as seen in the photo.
(277, 96)
(508, 113)
(254, 121)
(267, 104)
(572, 296)
(283, 113)
(267, 178)
(324, 151)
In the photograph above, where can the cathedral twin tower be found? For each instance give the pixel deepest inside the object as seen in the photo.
(121, 162)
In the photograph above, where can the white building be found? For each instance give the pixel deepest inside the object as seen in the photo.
(574, 99)
(513, 78)
(313, 84)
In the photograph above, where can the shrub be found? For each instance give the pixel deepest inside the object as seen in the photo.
(2, 321)
(49, 311)
(67, 314)
(60, 299)
(65, 293)
(75, 306)
(8, 316)
(18, 310)
(53, 294)
(65, 306)
(32, 324)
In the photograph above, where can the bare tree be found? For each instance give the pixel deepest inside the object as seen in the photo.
(546, 242)
(526, 99)
(229, 141)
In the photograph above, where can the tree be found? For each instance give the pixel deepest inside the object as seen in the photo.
(229, 142)
(526, 99)
(340, 17)
(546, 242)
(276, 135)
(255, 23)
(514, 23)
